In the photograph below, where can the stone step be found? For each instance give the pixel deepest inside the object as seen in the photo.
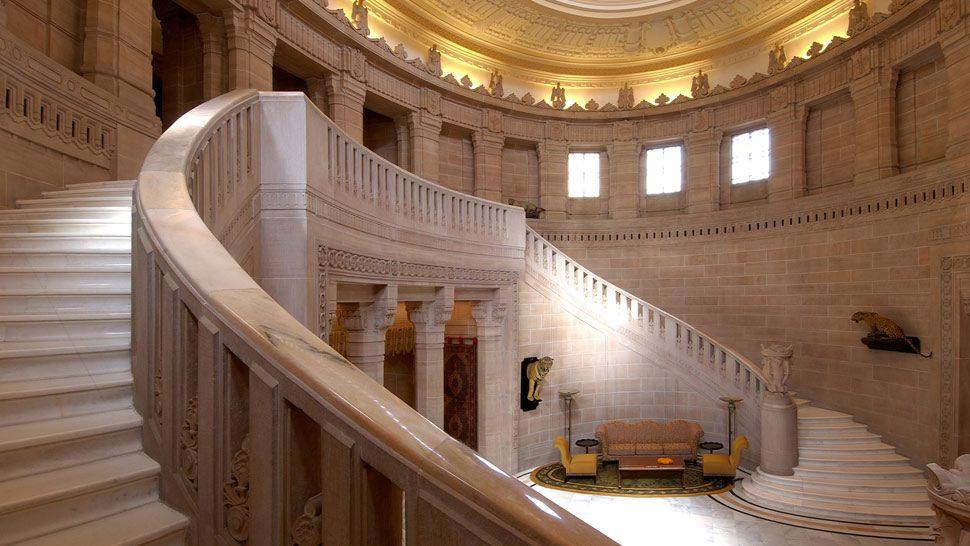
(57, 242)
(40, 399)
(41, 446)
(63, 278)
(824, 428)
(844, 511)
(153, 523)
(52, 360)
(102, 258)
(874, 485)
(795, 490)
(67, 226)
(108, 184)
(858, 472)
(847, 438)
(72, 301)
(40, 504)
(849, 460)
(810, 415)
(120, 191)
(818, 451)
(68, 202)
(110, 214)
(72, 326)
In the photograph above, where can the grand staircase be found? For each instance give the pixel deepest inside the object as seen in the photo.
(844, 473)
(72, 469)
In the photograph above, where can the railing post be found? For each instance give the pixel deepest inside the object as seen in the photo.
(779, 420)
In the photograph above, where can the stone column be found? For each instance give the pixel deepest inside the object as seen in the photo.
(213, 30)
(495, 421)
(366, 327)
(779, 417)
(552, 177)
(626, 176)
(873, 91)
(429, 343)
(488, 164)
(787, 137)
(403, 142)
(316, 89)
(346, 93)
(425, 130)
(702, 152)
(956, 58)
(117, 48)
(251, 43)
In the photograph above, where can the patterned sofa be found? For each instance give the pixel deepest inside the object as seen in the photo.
(679, 437)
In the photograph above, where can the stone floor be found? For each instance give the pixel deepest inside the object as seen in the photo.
(687, 521)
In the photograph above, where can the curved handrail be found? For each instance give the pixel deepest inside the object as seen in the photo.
(622, 309)
(188, 286)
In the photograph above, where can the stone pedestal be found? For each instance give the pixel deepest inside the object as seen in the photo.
(779, 434)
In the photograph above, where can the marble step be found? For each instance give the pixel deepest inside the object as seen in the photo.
(849, 460)
(109, 214)
(68, 202)
(101, 258)
(874, 485)
(42, 446)
(41, 399)
(67, 226)
(819, 429)
(74, 326)
(57, 242)
(849, 437)
(153, 523)
(847, 511)
(61, 278)
(816, 451)
(795, 490)
(858, 472)
(108, 184)
(52, 360)
(816, 416)
(39, 504)
(120, 191)
(65, 300)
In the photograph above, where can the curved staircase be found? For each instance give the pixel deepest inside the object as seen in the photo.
(844, 473)
(72, 469)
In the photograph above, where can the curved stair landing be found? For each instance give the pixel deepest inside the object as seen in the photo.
(844, 473)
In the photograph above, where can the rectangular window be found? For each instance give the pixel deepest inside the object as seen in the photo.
(749, 156)
(584, 174)
(663, 170)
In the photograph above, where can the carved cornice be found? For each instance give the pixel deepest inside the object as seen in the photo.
(350, 263)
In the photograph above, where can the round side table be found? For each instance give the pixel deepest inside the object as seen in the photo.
(711, 447)
(587, 443)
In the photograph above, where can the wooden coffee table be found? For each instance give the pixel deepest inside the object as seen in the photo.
(644, 465)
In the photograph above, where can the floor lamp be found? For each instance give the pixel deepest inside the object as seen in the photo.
(732, 404)
(567, 397)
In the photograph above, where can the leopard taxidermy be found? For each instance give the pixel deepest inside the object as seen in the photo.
(536, 372)
(880, 326)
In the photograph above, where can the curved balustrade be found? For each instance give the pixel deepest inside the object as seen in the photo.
(297, 444)
(731, 371)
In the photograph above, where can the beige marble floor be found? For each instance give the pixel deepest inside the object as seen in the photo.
(688, 521)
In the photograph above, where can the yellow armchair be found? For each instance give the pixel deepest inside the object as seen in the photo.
(725, 465)
(575, 465)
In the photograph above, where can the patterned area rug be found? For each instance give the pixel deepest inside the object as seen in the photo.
(552, 475)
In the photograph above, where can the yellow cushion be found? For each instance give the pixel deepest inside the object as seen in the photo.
(717, 465)
(582, 466)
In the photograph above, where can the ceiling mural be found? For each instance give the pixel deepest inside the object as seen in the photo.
(582, 37)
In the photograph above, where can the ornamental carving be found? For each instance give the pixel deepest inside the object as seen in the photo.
(495, 87)
(624, 130)
(189, 442)
(779, 98)
(235, 494)
(776, 366)
(625, 99)
(950, 13)
(157, 392)
(814, 50)
(555, 130)
(355, 63)
(359, 16)
(700, 87)
(662, 99)
(858, 18)
(862, 62)
(558, 97)
(339, 260)
(431, 101)
(308, 527)
(434, 61)
(493, 120)
(700, 120)
(776, 60)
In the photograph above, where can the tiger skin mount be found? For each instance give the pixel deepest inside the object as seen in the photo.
(886, 335)
(534, 370)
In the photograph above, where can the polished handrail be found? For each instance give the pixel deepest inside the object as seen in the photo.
(239, 482)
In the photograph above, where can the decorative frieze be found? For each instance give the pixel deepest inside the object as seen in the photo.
(384, 268)
(235, 494)
(188, 439)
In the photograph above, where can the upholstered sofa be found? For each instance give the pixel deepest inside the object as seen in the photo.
(619, 438)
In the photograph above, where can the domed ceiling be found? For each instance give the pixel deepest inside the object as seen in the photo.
(544, 39)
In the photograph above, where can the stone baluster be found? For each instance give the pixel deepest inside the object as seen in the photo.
(429, 320)
(779, 418)
(366, 326)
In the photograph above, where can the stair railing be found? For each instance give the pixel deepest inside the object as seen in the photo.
(265, 434)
